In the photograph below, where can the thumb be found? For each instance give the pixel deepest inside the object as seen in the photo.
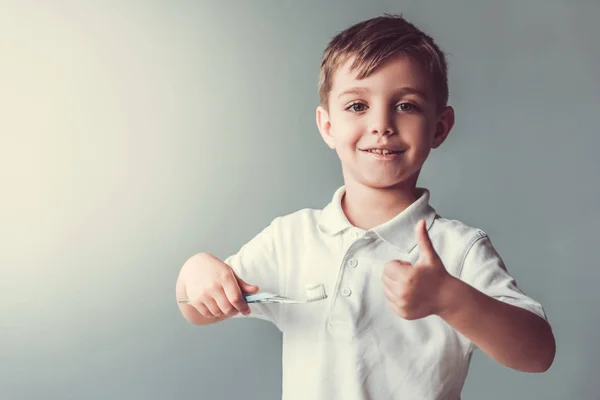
(426, 251)
(245, 286)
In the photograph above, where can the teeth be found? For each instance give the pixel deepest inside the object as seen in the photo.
(384, 152)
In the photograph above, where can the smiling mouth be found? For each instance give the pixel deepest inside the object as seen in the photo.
(382, 152)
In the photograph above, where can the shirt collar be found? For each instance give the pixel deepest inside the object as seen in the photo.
(398, 232)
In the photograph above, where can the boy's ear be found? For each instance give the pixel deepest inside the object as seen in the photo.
(443, 127)
(324, 125)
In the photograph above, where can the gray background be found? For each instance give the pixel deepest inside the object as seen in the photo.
(135, 134)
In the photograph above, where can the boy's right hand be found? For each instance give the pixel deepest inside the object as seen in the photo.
(213, 288)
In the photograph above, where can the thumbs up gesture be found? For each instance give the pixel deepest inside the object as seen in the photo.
(417, 291)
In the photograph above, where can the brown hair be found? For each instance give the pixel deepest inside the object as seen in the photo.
(375, 41)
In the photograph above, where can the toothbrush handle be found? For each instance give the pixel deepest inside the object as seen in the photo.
(250, 298)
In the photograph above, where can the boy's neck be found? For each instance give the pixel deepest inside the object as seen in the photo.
(367, 207)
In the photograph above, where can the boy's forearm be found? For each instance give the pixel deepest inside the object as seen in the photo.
(513, 336)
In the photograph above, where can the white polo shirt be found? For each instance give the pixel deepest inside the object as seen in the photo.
(352, 346)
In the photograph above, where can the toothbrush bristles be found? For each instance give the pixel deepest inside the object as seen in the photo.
(315, 293)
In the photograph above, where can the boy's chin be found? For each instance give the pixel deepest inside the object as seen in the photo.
(384, 184)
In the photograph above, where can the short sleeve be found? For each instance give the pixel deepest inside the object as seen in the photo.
(485, 271)
(256, 263)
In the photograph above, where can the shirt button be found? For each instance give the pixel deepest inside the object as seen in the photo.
(356, 234)
(353, 263)
(346, 292)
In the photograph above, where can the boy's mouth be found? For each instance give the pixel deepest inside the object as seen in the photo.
(382, 152)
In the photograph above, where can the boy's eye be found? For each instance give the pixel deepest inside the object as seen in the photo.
(356, 107)
(405, 106)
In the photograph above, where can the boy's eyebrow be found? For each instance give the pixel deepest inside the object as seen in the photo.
(412, 90)
(402, 91)
(354, 90)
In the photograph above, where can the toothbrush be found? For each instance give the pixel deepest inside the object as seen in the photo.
(313, 292)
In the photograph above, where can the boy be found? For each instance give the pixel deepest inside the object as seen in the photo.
(410, 294)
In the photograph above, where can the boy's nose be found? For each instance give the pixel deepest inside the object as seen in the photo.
(381, 123)
(383, 132)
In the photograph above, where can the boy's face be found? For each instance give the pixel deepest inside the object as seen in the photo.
(394, 110)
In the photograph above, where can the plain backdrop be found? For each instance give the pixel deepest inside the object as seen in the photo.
(134, 134)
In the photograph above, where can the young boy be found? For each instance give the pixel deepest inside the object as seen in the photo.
(410, 294)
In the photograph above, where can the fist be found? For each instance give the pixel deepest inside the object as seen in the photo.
(213, 288)
(415, 291)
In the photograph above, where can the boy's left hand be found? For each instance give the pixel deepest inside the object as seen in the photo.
(417, 291)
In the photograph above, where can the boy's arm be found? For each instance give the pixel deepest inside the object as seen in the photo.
(216, 288)
(513, 336)
(475, 304)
